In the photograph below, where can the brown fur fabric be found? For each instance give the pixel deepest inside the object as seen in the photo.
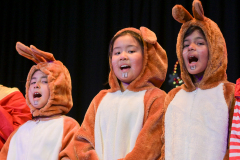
(148, 138)
(148, 144)
(59, 81)
(167, 101)
(215, 72)
(154, 64)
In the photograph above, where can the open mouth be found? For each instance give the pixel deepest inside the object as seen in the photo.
(192, 59)
(37, 95)
(124, 67)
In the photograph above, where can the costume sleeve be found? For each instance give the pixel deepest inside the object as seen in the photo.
(13, 112)
(234, 151)
(149, 144)
(71, 126)
(4, 150)
(84, 143)
(171, 94)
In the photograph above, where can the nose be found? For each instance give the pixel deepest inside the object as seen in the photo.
(123, 56)
(36, 85)
(191, 47)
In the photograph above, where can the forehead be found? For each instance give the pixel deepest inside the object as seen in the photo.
(38, 74)
(195, 34)
(125, 40)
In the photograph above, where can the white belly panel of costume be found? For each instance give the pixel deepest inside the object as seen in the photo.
(38, 140)
(196, 125)
(119, 120)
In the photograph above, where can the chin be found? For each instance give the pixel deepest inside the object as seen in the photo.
(195, 72)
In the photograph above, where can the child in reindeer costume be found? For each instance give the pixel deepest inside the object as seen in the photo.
(48, 94)
(125, 122)
(199, 112)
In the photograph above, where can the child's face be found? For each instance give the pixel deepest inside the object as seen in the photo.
(195, 53)
(38, 92)
(127, 58)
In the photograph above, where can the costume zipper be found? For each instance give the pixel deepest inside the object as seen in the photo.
(194, 95)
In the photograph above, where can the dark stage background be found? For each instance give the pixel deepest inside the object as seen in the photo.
(78, 33)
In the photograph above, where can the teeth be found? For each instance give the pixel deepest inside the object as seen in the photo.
(125, 75)
(35, 102)
(192, 67)
(36, 94)
(124, 65)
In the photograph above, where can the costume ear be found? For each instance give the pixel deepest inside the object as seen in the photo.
(44, 56)
(180, 14)
(148, 35)
(197, 9)
(34, 54)
(25, 52)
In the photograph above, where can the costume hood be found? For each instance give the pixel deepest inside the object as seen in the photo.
(154, 64)
(59, 81)
(215, 72)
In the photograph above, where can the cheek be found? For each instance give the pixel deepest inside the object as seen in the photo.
(137, 63)
(184, 55)
(114, 63)
(205, 56)
(29, 90)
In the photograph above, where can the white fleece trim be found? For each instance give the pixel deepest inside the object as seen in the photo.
(37, 140)
(196, 125)
(119, 120)
(5, 91)
(237, 103)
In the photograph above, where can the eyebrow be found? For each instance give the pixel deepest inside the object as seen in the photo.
(127, 46)
(194, 39)
(40, 77)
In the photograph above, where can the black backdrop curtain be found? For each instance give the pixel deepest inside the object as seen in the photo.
(78, 34)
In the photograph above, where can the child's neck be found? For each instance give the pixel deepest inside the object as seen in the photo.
(46, 118)
(198, 78)
(123, 86)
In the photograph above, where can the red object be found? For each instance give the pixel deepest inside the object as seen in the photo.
(13, 112)
(237, 90)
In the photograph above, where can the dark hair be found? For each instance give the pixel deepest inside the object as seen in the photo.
(192, 29)
(133, 34)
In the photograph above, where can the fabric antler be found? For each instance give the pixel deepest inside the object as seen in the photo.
(34, 54)
(197, 9)
(180, 14)
(148, 35)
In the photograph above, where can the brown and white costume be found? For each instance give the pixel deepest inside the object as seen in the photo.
(198, 115)
(127, 125)
(48, 135)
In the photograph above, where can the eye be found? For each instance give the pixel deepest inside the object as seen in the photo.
(185, 45)
(200, 43)
(132, 51)
(116, 53)
(44, 80)
(33, 82)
